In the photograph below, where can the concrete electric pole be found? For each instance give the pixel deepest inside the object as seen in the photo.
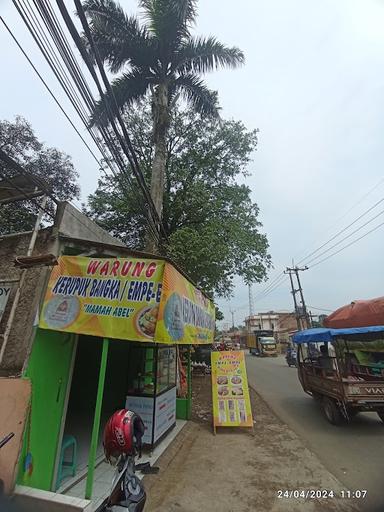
(303, 319)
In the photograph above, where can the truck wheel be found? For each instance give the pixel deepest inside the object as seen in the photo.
(332, 411)
(380, 413)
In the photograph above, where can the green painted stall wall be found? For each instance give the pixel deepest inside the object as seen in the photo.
(48, 369)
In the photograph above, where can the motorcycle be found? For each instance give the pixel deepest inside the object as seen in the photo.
(128, 494)
(122, 441)
(3, 442)
(4, 501)
(291, 358)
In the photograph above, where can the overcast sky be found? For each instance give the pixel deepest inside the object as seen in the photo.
(313, 84)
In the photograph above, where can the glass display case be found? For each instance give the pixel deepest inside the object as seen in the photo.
(151, 388)
(166, 368)
(141, 371)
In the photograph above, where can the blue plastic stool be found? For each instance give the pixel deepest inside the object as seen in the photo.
(67, 468)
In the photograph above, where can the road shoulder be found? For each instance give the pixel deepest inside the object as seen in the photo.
(240, 470)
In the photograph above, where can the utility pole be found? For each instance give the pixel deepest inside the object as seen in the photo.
(302, 318)
(294, 299)
(306, 316)
(250, 299)
(233, 319)
(251, 309)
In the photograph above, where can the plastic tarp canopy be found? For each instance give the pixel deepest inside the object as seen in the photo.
(359, 313)
(327, 335)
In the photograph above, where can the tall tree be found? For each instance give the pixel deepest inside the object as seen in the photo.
(159, 58)
(55, 168)
(211, 222)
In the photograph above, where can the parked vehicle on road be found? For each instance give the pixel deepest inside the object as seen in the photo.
(262, 343)
(346, 373)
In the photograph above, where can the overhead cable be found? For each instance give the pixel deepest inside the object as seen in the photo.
(279, 280)
(272, 289)
(343, 231)
(112, 109)
(348, 245)
(54, 29)
(345, 238)
(321, 309)
(266, 291)
(50, 91)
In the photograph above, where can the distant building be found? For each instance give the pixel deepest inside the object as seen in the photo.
(238, 336)
(280, 322)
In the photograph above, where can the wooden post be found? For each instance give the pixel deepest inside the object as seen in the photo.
(96, 420)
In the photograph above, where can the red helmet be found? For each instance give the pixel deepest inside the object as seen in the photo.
(123, 434)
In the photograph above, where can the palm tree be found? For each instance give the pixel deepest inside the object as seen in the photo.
(160, 58)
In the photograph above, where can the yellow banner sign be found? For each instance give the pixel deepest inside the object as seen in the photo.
(128, 299)
(230, 393)
(114, 298)
(185, 315)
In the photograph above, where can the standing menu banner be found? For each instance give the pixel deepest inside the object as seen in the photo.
(230, 393)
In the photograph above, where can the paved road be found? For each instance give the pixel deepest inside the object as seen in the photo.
(354, 453)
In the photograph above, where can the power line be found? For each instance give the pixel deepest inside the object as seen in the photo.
(276, 287)
(270, 285)
(264, 293)
(343, 231)
(113, 109)
(272, 282)
(47, 51)
(362, 199)
(346, 237)
(321, 309)
(278, 281)
(49, 90)
(380, 182)
(348, 245)
(74, 100)
(40, 37)
(76, 74)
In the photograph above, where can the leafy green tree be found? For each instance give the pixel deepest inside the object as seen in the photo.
(158, 58)
(211, 222)
(18, 140)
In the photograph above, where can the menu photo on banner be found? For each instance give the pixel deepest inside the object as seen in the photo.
(230, 392)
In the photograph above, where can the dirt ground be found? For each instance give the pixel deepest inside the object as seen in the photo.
(239, 470)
